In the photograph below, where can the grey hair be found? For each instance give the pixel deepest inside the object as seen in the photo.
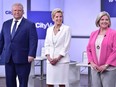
(17, 4)
(100, 15)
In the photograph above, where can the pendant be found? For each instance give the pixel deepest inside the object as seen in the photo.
(98, 47)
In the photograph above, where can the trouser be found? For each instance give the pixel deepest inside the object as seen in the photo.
(105, 79)
(13, 70)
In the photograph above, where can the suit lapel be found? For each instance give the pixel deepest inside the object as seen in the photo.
(9, 28)
(20, 26)
(94, 40)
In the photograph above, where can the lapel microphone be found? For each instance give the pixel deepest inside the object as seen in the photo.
(58, 29)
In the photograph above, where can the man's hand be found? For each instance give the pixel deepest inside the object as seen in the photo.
(30, 59)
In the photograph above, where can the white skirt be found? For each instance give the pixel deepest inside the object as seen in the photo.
(57, 74)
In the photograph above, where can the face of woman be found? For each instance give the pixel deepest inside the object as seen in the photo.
(104, 22)
(58, 19)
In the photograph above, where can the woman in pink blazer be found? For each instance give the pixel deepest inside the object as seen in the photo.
(101, 51)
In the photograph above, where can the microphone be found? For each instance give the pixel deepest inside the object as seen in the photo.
(58, 29)
(104, 35)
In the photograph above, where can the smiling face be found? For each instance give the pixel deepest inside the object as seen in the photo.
(58, 18)
(17, 11)
(104, 22)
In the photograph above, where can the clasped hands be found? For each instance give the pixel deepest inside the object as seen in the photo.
(53, 61)
(99, 68)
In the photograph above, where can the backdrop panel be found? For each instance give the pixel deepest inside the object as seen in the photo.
(109, 6)
(42, 20)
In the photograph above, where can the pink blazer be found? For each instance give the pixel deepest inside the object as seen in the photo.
(108, 48)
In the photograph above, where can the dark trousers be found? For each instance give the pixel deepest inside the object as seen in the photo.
(13, 70)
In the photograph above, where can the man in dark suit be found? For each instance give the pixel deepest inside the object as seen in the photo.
(18, 45)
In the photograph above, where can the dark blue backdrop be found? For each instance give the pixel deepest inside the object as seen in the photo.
(109, 6)
(42, 20)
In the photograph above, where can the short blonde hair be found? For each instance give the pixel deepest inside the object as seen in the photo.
(100, 15)
(56, 10)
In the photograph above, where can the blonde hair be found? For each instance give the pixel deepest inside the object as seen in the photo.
(56, 10)
(100, 15)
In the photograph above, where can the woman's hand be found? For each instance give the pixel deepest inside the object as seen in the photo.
(48, 57)
(94, 66)
(54, 61)
(103, 68)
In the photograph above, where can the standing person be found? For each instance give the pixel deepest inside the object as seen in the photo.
(18, 43)
(101, 51)
(56, 50)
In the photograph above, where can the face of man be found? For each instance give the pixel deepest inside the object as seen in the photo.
(17, 11)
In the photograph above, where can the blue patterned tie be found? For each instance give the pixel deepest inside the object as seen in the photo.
(14, 29)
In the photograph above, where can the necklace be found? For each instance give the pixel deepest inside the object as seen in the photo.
(99, 41)
(54, 38)
(56, 30)
(98, 47)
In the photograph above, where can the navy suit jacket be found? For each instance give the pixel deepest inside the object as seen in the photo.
(22, 45)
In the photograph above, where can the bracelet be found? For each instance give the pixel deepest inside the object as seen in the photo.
(106, 65)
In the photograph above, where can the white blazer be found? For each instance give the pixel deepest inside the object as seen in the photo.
(61, 45)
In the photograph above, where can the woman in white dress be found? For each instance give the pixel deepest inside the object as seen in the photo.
(56, 50)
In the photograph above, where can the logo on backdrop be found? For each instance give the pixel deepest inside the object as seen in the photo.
(8, 12)
(42, 20)
(112, 0)
(109, 6)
